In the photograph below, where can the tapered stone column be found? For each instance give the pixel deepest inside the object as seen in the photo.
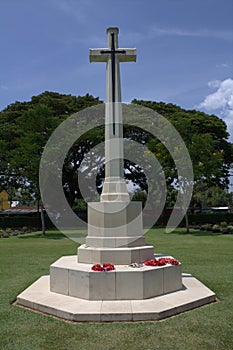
(115, 231)
(114, 188)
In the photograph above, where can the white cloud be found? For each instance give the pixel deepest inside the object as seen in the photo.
(155, 31)
(201, 33)
(222, 98)
(221, 101)
(222, 65)
(214, 84)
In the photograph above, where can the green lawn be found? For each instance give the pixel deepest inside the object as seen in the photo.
(207, 256)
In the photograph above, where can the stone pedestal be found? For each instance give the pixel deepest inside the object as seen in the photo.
(115, 234)
(118, 256)
(38, 297)
(124, 283)
(115, 224)
(75, 292)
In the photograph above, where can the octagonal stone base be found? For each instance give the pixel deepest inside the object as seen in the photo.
(117, 256)
(78, 280)
(38, 297)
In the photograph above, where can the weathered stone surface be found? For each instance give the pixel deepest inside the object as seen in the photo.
(116, 256)
(115, 224)
(125, 282)
(38, 297)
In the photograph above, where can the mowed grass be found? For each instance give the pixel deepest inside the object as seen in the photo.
(208, 257)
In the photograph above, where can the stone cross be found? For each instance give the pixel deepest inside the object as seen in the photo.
(114, 188)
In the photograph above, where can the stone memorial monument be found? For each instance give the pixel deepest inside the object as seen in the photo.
(115, 231)
(120, 286)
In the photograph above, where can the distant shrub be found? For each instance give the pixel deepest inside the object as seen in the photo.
(216, 228)
(223, 224)
(207, 227)
(224, 230)
(15, 233)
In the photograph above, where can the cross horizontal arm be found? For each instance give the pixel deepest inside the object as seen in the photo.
(129, 56)
(97, 56)
(124, 55)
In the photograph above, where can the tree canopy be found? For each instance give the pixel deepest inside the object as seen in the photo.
(26, 127)
(205, 137)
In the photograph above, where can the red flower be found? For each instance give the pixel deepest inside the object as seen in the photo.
(109, 267)
(161, 262)
(103, 267)
(151, 263)
(175, 262)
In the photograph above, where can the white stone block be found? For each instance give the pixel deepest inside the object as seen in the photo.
(85, 255)
(115, 224)
(172, 278)
(59, 280)
(135, 241)
(149, 309)
(129, 285)
(152, 282)
(135, 255)
(102, 285)
(115, 242)
(117, 256)
(96, 256)
(101, 242)
(120, 257)
(146, 254)
(120, 310)
(79, 284)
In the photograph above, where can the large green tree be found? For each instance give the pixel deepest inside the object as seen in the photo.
(26, 127)
(206, 139)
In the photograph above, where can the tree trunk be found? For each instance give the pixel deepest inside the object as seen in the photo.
(42, 219)
(186, 222)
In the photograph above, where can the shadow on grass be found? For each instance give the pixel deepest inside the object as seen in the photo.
(49, 235)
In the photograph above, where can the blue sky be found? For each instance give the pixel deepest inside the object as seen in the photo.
(184, 50)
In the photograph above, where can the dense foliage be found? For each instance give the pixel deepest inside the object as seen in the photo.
(26, 127)
(211, 153)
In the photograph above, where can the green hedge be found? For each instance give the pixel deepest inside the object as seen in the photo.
(34, 221)
(21, 221)
(198, 219)
(195, 219)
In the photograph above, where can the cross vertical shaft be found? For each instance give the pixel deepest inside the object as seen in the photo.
(114, 188)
